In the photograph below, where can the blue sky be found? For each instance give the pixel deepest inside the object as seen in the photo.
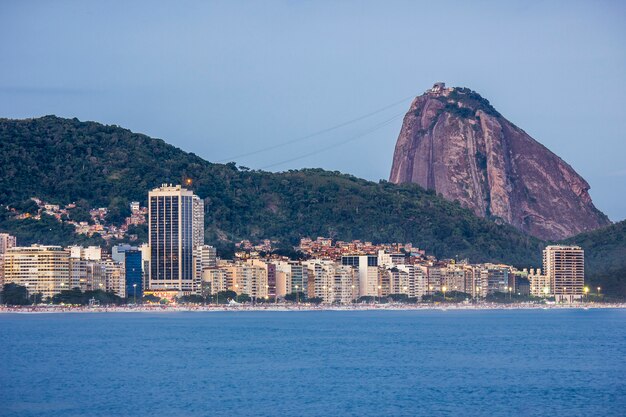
(222, 79)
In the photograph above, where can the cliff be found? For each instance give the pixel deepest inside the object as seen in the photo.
(454, 142)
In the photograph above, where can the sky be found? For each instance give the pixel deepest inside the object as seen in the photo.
(273, 84)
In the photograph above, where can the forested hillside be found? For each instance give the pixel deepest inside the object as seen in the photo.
(65, 160)
(605, 257)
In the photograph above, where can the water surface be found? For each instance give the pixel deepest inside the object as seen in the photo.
(362, 363)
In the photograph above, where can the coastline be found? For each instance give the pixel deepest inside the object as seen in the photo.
(302, 307)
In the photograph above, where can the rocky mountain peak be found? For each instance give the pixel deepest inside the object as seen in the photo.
(455, 142)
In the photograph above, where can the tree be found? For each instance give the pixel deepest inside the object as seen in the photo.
(13, 294)
(191, 299)
(296, 297)
(223, 296)
(73, 296)
(150, 298)
(242, 298)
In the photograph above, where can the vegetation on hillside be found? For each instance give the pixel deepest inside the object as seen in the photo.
(605, 257)
(65, 160)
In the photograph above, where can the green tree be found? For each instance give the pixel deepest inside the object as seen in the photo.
(13, 294)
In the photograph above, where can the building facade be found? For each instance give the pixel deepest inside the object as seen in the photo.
(133, 276)
(565, 268)
(41, 269)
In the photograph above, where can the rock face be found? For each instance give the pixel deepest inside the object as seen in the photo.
(454, 142)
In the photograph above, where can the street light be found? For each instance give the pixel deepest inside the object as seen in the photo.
(379, 293)
(443, 289)
(586, 291)
(297, 296)
(134, 292)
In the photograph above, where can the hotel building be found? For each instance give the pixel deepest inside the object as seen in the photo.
(174, 217)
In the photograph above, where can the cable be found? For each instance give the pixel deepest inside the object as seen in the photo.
(360, 135)
(319, 132)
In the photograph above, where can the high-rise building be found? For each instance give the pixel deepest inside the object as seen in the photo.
(565, 268)
(198, 221)
(41, 269)
(172, 224)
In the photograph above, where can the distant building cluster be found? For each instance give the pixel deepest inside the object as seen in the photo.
(176, 261)
(97, 225)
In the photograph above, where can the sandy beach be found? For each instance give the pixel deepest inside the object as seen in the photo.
(43, 309)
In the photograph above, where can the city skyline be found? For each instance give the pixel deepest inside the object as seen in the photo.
(175, 263)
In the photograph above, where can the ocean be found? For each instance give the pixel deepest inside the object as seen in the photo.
(315, 363)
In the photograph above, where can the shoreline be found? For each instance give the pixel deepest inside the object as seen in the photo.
(288, 308)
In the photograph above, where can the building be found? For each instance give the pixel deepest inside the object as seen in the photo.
(321, 278)
(173, 220)
(118, 252)
(299, 277)
(204, 257)
(114, 277)
(344, 289)
(497, 279)
(91, 253)
(214, 280)
(367, 267)
(41, 269)
(87, 275)
(539, 283)
(133, 276)
(565, 267)
(253, 281)
(7, 242)
(198, 221)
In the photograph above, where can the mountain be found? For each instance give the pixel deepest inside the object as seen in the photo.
(66, 160)
(454, 142)
(605, 257)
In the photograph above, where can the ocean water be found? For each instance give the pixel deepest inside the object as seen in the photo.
(324, 363)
